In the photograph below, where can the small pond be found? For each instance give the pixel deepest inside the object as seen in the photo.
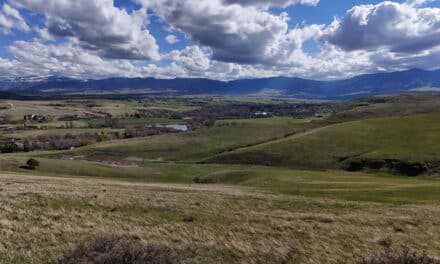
(182, 128)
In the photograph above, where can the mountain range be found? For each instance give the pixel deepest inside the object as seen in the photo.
(414, 80)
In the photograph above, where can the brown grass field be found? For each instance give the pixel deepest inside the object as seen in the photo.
(43, 217)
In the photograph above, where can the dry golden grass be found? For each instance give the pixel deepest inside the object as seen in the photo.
(43, 217)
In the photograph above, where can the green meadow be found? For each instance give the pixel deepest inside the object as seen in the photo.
(195, 145)
(412, 138)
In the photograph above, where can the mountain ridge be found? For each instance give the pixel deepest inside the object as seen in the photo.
(358, 86)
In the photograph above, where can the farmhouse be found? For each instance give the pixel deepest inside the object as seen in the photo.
(261, 114)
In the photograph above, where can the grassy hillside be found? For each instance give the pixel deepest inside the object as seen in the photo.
(196, 145)
(385, 106)
(348, 186)
(410, 138)
(43, 217)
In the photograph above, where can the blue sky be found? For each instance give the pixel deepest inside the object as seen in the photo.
(218, 39)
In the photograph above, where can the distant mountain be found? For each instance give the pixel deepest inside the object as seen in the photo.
(359, 86)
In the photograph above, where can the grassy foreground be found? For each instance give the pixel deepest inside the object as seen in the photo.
(42, 217)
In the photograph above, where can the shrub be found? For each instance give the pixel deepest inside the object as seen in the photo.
(386, 242)
(188, 219)
(32, 163)
(85, 141)
(120, 250)
(390, 256)
(202, 180)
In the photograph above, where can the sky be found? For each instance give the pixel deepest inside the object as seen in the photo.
(217, 39)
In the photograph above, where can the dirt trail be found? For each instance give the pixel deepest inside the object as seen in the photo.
(285, 138)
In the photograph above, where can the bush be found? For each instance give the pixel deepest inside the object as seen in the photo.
(32, 163)
(202, 180)
(120, 250)
(390, 256)
(188, 219)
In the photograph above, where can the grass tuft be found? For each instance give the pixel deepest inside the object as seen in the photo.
(391, 256)
(121, 250)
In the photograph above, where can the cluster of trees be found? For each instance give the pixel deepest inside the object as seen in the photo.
(153, 113)
(7, 146)
(200, 122)
(250, 110)
(207, 114)
(62, 142)
(59, 142)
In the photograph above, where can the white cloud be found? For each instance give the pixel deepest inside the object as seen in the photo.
(10, 19)
(37, 58)
(235, 33)
(192, 58)
(44, 34)
(98, 26)
(229, 39)
(171, 39)
(397, 27)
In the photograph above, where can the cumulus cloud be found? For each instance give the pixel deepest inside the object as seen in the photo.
(98, 26)
(235, 33)
(192, 58)
(171, 39)
(10, 18)
(37, 58)
(44, 34)
(398, 27)
(229, 39)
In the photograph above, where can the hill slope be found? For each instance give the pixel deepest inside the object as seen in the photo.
(403, 144)
(193, 146)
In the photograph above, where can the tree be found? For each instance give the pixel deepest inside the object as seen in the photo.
(27, 145)
(32, 164)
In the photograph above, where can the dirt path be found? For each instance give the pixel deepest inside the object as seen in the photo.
(281, 139)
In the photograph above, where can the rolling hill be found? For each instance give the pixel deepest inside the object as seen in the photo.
(403, 144)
